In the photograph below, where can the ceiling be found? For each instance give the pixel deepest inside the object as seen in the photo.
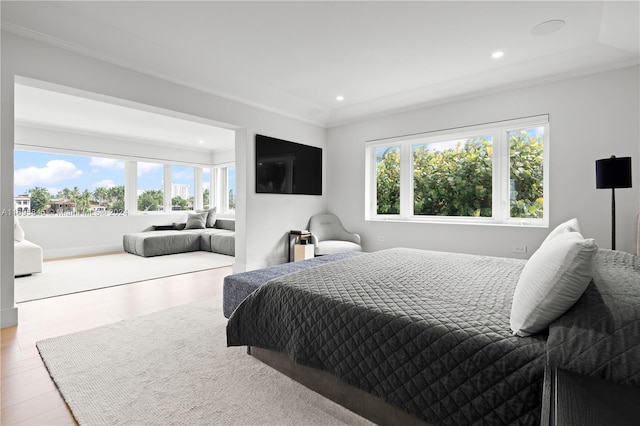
(52, 109)
(296, 57)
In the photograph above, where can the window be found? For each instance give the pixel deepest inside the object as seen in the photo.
(48, 183)
(206, 188)
(492, 173)
(72, 185)
(182, 183)
(231, 188)
(223, 182)
(150, 187)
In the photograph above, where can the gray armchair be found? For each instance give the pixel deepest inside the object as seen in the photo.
(329, 236)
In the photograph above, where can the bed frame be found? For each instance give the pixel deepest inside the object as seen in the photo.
(360, 402)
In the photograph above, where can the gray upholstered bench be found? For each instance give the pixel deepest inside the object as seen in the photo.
(237, 287)
(149, 244)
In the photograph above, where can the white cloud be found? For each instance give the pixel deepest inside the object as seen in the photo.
(54, 171)
(107, 163)
(105, 183)
(148, 167)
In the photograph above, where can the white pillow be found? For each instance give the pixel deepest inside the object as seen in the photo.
(18, 232)
(551, 282)
(568, 226)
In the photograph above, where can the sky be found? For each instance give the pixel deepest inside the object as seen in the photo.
(58, 171)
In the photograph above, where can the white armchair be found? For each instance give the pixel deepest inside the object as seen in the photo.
(27, 257)
(329, 236)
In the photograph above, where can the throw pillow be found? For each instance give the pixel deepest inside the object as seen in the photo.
(571, 225)
(211, 218)
(18, 232)
(553, 279)
(196, 220)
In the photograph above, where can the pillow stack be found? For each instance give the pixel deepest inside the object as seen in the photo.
(202, 219)
(553, 279)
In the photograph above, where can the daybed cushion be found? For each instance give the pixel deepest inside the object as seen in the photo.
(27, 258)
(223, 242)
(228, 224)
(211, 216)
(196, 220)
(551, 282)
(158, 243)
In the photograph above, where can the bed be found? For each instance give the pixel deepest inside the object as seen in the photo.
(428, 333)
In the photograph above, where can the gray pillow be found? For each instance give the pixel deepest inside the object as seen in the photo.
(196, 220)
(211, 218)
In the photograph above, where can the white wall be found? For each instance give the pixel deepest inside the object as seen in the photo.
(262, 220)
(591, 117)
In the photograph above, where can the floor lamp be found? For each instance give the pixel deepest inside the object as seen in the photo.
(614, 172)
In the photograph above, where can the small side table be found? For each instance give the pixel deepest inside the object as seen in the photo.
(572, 399)
(303, 252)
(296, 237)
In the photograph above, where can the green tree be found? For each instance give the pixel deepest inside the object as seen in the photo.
(40, 199)
(179, 202)
(150, 200)
(232, 200)
(388, 181)
(101, 194)
(526, 167)
(205, 198)
(455, 181)
(116, 198)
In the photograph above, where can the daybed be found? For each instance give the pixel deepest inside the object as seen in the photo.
(172, 239)
(429, 334)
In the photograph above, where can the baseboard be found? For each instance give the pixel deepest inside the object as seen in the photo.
(9, 317)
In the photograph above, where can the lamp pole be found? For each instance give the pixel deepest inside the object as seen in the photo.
(613, 218)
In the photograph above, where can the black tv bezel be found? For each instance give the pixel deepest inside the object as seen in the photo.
(296, 147)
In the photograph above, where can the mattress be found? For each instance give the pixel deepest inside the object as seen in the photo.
(425, 331)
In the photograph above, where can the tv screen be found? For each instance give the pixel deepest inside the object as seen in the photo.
(284, 167)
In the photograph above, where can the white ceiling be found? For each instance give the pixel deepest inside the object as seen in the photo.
(45, 108)
(296, 57)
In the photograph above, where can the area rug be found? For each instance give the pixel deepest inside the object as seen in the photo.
(89, 273)
(173, 367)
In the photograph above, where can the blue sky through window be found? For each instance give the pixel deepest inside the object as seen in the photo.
(55, 172)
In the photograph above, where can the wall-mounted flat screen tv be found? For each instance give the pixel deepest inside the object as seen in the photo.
(284, 167)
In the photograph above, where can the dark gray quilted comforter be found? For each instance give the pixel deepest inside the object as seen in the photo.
(425, 331)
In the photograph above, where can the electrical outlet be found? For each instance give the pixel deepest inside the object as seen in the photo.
(380, 237)
(519, 249)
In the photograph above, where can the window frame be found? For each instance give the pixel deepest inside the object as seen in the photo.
(131, 180)
(500, 173)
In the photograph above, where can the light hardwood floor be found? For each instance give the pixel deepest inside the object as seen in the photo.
(28, 395)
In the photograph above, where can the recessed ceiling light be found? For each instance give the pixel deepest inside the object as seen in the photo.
(200, 141)
(548, 27)
(339, 98)
(498, 54)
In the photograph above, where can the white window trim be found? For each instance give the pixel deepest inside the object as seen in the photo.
(500, 162)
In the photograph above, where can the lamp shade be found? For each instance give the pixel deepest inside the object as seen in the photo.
(614, 172)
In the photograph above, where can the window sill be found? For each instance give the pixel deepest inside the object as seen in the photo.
(456, 221)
